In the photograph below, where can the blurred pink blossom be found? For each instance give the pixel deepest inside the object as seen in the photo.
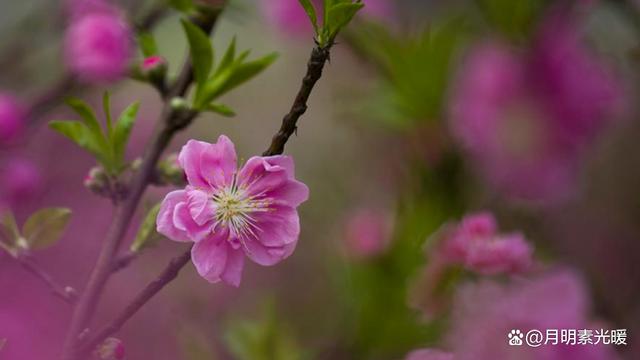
(12, 118)
(476, 244)
(111, 349)
(367, 233)
(526, 118)
(429, 354)
(485, 313)
(230, 213)
(99, 47)
(20, 182)
(290, 18)
(79, 8)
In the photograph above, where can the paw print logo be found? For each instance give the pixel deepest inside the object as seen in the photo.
(515, 337)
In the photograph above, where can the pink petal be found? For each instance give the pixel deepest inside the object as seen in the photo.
(235, 263)
(183, 221)
(278, 227)
(273, 177)
(201, 207)
(208, 165)
(164, 221)
(265, 255)
(210, 256)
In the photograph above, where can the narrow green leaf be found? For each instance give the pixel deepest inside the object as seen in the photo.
(242, 73)
(122, 131)
(201, 51)
(340, 15)
(106, 106)
(221, 109)
(182, 5)
(80, 134)
(228, 58)
(147, 44)
(147, 235)
(311, 13)
(86, 113)
(45, 227)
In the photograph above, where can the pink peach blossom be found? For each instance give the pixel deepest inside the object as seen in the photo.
(485, 313)
(526, 118)
(99, 47)
(367, 233)
(230, 213)
(476, 244)
(21, 180)
(12, 118)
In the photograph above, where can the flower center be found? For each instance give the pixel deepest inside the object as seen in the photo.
(235, 208)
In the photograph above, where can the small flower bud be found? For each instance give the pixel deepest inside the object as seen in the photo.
(170, 172)
(97, 181)
(111, 349)
(98, 47)
(154, 63)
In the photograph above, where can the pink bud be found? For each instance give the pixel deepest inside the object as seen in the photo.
(98, 47)
(12, 118)
(111, 349)
(153, 62)
(367, 233)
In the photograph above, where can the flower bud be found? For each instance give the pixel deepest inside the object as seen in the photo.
(21, 181)
(170, 172)
(111, 349)
(98, 47)
(12, 118)
(153, 69)
(97, 181)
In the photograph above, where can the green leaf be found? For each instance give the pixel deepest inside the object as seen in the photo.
(201, 52)
(106, 105)
(147, 44)
(122, 131)
(182, 5)
(147, 235)
(221, 109)
(80, 134)
(228, 58)
(241, 73)
(311, 12)
(339, 16)
(86, 113)
(45, 227)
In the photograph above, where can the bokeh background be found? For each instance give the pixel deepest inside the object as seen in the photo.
(428, 110)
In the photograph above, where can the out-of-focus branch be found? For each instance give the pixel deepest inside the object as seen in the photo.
(65, 293)
(319, 57)
(167, 275)
(171, 121)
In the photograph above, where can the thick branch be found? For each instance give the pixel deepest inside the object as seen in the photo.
(319, 56)
(167, 275)
(65, 293)
(171, 121)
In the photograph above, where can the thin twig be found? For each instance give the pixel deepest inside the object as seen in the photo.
(123, 261)
(171, 121)
(66, 293)
(167, 275)
(319, 56)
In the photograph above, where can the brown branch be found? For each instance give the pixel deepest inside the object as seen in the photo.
(66, 293)
(319, 56)
(167, 275)
(171, 121)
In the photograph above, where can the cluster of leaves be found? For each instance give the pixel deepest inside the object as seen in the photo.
(416, 70)
(41, 230)
(108, 146)
(213, 81)
(335, 16)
